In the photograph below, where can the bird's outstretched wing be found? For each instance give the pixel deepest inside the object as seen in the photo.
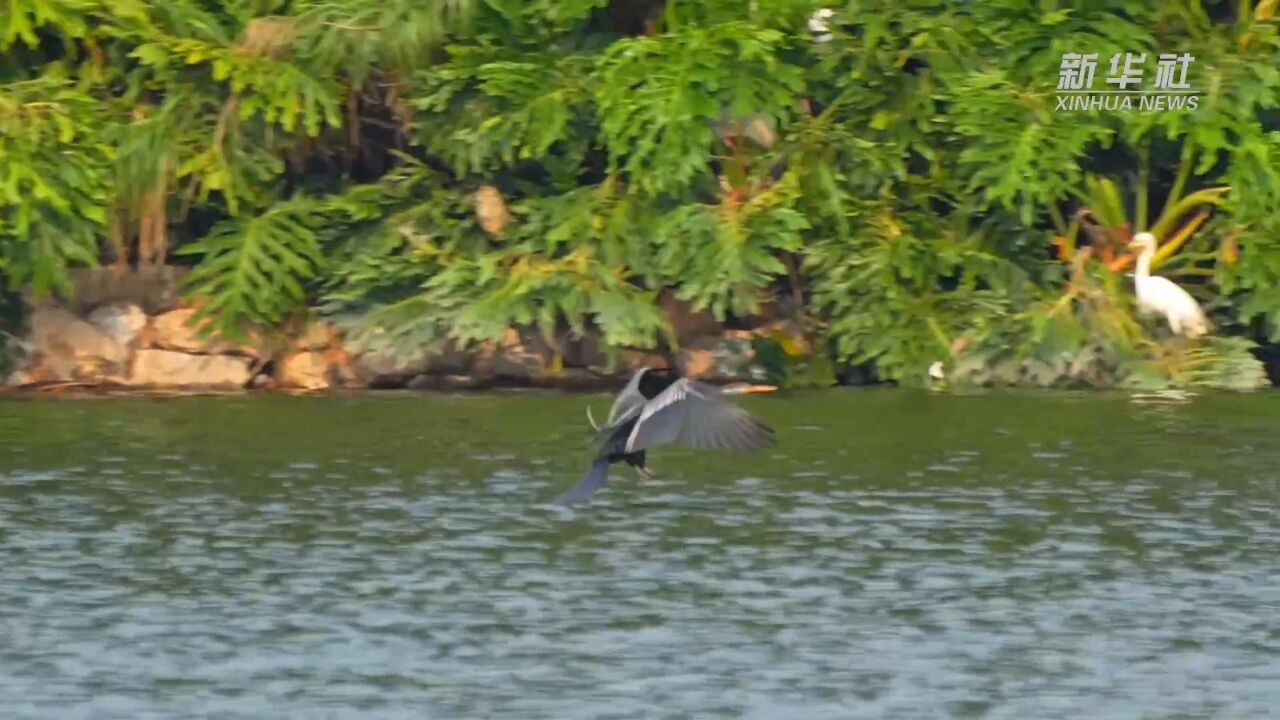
(693, 413)
(595, 479)
(628, 403)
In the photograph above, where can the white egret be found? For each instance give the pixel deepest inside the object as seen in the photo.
(819, 24)
(1161, 295)
(937, 371)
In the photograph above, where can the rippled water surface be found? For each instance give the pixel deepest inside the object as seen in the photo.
(898, 555)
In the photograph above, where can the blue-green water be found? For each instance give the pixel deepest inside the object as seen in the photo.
(898, 555)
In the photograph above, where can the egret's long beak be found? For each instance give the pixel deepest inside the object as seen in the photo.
(744, 388)
(1132, 245)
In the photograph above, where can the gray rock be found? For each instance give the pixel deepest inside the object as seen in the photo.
(384, 366)
(69, 348)
(306, 370)
(522, 356)
(380, 368)
(165, 368)
(716, 357)
(517, 363)
(154, 288)
(421, 382)
(121, 321)
(176, 330)
(19, 377)
(446, 383)
(59, 331)
(318, 335)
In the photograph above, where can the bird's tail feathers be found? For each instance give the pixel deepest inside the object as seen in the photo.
(595, 479)
(1198, 326)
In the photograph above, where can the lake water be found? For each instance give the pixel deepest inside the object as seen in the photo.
(898, 555)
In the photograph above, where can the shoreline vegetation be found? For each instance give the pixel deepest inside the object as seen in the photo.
(344, 194)
(123, 330)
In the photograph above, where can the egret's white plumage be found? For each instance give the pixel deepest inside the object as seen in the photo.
(1158, 295)
(819, 24)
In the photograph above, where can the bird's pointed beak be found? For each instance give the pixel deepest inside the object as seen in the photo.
(744, 388)
(1133, 245)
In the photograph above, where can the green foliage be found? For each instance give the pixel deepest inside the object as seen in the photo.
(905, 183)
(900, 290)
(54, 171)
(1253, 281)
(23, 18)
(791, 367)
(427, 273)
(253, 269)
(659, 96)
(1018, 152)
(279, 92)
(361, 38)
(724, 257)
(501, 108)
(1216, 364)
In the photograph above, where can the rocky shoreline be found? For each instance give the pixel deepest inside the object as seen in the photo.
(126, 330)
(121, 331)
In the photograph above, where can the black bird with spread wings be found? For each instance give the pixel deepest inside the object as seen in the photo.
(658, 407)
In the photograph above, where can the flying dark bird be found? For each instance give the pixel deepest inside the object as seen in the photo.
(658, 407)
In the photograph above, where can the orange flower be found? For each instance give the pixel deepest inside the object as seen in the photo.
(1230, 252)
(1061, 243)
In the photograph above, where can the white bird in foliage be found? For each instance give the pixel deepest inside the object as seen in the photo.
(937, 371)
(1158, 295)
(820, 24)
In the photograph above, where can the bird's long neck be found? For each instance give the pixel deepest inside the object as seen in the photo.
(654, 382)
(1144, 262)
